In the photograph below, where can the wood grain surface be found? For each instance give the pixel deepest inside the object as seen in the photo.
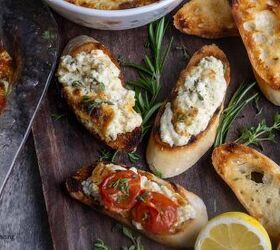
(63, 146)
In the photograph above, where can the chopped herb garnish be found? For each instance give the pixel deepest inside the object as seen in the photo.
(143, 196)
(49, 35)
(183, 48)
(121, 185)
(77, 84)
(157, 173)
(133, 157)
(100, 245)
(101, 86)
(57, 117)
(136, 241)
(258, 109)
(92, 104)
(108, 155)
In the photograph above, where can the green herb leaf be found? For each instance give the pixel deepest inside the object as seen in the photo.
(57, 117)
(263, 132)
(157, 173)
(133, 157)
(100, 245)
(108, 155)
(239, 100)
(147, 86)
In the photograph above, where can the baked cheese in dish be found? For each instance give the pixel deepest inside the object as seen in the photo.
(111, 4)
(95, 82)
(91, 187)
(197, 100)
(262, 31)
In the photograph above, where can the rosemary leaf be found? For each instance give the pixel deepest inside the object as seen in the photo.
(262, 132)
(100, 245)
(133, 157)
(239, 100)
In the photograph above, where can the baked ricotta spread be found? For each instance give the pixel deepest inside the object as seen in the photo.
(97, 80)
(111, 4)
(197, 99)
(91, 187)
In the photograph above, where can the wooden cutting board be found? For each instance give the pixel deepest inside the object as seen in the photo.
(63, 145)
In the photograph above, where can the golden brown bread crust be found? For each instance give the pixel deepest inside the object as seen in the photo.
(184, 236)
(206, 18)
(171, 161)
(124, 142)
(255, 180)
(6, 75)
(265, 73)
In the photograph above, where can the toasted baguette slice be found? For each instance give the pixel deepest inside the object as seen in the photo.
(259, 26)
(6, 75)
(206, 18)
(255, 180)
(183, 236)
(98, 118)
(173, 160)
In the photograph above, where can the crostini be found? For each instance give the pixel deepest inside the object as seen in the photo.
(163, 211)
(93, 86)
(259, 26)
(185, 127)
(6, 74)
(255, 180)
(206, 18)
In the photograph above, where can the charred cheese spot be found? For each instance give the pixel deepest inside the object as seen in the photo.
(111, 4)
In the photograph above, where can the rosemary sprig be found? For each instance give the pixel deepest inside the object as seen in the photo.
(239, 100)
(263, 132)
(100, 245)
(147, 86)
(136, 241)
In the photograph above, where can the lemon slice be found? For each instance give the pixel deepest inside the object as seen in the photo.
(233, 231)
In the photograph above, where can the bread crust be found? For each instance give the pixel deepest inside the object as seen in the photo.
(172, 161)
(265, 75)
(183, 237)
(230, 159)
(206, 18)
(124, 142)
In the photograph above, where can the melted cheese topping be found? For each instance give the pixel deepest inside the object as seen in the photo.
(111, 4)
(261, 24)
(197, 99)
(90, 187)
(98, 78)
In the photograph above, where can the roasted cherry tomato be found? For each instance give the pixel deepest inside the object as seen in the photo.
(119, 190)
(155, 212)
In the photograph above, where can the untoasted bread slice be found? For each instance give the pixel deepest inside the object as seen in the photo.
(255, 180)
(98, 119)
(259, 26)
(174, 160)
(185, 234)
(206, 18)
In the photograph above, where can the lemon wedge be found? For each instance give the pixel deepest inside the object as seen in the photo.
(233, 231)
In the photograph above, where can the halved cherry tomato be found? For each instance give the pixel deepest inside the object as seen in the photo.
(155, 212)
(119, 190)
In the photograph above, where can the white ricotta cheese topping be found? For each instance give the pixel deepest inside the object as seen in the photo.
(96, 76)
(185, 212)
(197, 100)
(264, 27)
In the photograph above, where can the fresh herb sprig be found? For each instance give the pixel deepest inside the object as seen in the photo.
(57, 117)
(100, 245)
(147, 86)
(239, 100)
(263, 132)
(108, 155)
(133, 157)
(136, 240)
